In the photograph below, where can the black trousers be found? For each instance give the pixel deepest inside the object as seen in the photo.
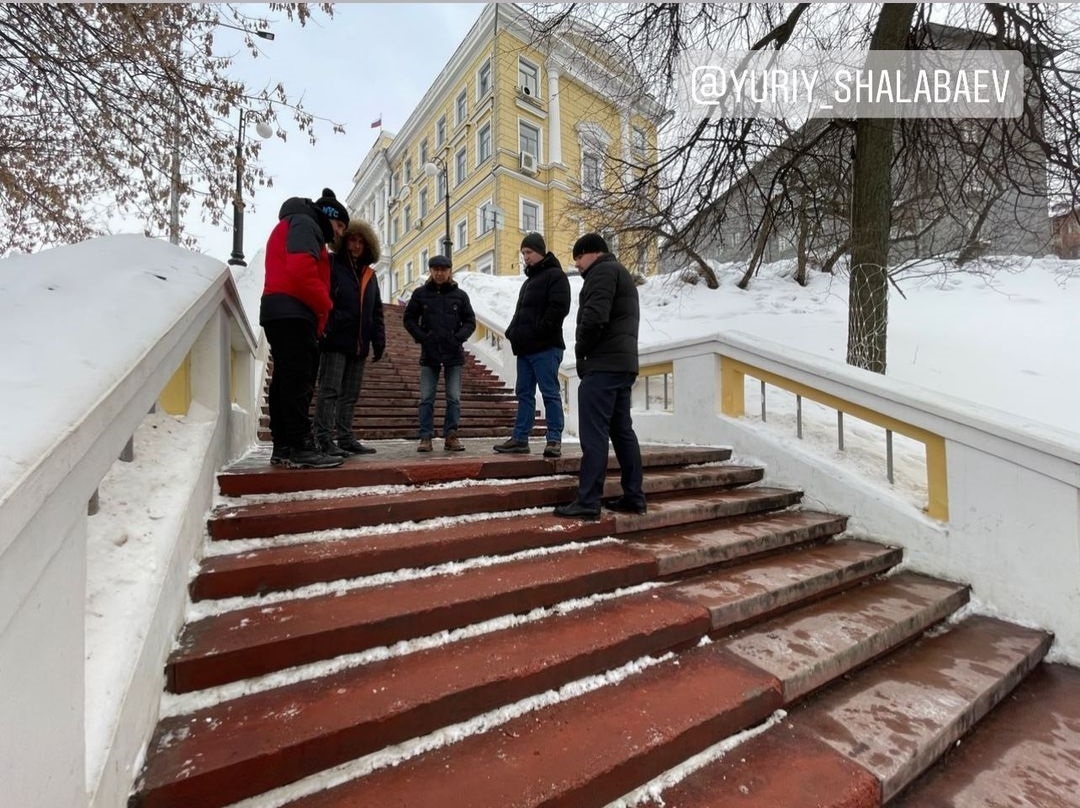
(603, 412)
(295, 354)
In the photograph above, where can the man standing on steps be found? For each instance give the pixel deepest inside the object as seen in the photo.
(535, 335)
(439, 316)
(606, 348)
(293, 312)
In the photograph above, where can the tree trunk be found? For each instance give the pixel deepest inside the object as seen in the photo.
(868, 288)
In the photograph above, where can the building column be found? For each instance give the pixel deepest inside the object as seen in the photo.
(554, 117)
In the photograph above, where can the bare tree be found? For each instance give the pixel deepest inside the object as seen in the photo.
(878, 191)
(98, 99)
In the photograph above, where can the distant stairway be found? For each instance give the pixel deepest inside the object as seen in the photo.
(420, 631)
(387, 407)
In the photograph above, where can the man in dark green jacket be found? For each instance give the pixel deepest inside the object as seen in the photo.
(606, 348)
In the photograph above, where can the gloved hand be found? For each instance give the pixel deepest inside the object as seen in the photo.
(377, 354)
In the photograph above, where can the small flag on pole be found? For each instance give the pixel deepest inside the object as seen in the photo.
(377, 123)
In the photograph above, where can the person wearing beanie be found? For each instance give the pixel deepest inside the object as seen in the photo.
(439, 316)
(293, 312)
(535, 334)
(354, 329)
(606, 349)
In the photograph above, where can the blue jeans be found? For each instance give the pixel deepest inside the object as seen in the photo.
(429, 379)
(603, 412)
(539, 369)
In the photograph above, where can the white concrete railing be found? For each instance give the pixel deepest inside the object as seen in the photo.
(1011, 520)
(203, 356)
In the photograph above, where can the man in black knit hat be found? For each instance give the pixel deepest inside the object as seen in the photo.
(536, 338)
(293, 312)
(606, 348)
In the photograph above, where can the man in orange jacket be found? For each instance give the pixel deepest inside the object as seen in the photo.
(293, 312)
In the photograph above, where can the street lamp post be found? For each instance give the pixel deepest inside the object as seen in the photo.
(433, 169)
(264, 131)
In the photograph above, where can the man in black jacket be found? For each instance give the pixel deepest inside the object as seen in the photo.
(535, 335)
(440, 317)
(606, 348)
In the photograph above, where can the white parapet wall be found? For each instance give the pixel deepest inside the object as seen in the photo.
(139, 318)
(1007, 490)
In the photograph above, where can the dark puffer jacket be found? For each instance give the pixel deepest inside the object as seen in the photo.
(297, 266)
(607, 320)
(543, 303)
(356, 321)
(440, 317)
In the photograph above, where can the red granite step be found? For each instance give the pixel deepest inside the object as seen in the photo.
(754, 589)
(1023, 753)
(399, 464)
(262, 741)
(743, 532)
(275, 568)
(301, 515)
(585, 751)
(891, 721)
(261, 638)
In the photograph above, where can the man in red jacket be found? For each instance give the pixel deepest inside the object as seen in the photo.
(293, 312)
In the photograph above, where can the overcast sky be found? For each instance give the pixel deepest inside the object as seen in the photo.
(370, 59)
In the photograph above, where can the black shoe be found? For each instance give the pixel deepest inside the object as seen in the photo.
(512, 446)
(328, 447)
(280, 456)
(553, 449)
(354, 447)
(624, 505)
(311, 458)
(575, 510)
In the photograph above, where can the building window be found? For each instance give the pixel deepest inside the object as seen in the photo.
(529, 139)
(485, 218)
(408, 170)
(590, 171)
(460, 167)
(423, 259)
(394, 230)
(408, 216)
(485, 265)
(462, 233)
(530, 216)
(461, 107)
(483, 143)
(440, 131)
(423, 202)
(408, 271)
(440, 186)
(483, 80)
(639, 141)
(423, 152)
(528, 78)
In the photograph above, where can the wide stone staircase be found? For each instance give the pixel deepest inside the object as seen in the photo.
(420, 630)
(387, 407)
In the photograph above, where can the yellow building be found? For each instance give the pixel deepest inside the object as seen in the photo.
(526, 134)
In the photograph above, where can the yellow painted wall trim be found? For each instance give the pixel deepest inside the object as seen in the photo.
(658, 369)
(733, 375)
(175, 397)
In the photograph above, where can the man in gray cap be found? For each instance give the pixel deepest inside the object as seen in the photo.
(606, 348)
(440, 317)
